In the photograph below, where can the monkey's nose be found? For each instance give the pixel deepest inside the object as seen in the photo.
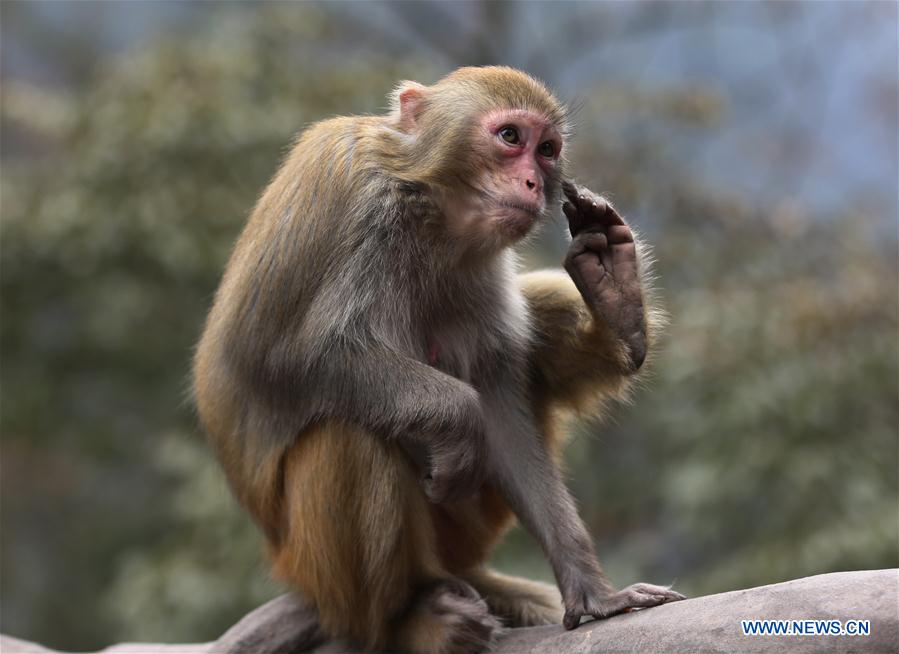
(530, 183)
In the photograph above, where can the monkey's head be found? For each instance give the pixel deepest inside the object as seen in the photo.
(487, 143)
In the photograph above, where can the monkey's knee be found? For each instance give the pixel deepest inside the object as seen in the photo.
(358, 538)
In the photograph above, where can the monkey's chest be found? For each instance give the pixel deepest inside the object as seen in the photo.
(454, 350)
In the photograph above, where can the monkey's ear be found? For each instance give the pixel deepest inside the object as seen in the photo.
(408, 102)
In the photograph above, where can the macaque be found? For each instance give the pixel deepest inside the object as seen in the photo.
(384, 390)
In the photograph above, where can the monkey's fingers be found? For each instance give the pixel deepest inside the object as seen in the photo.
(619, 234)
(623, 262)
(638, 596)
(594, 210)
(572, 618)
(600, 211)
(589, 242)
(569, 188)
(579, 196)
(575, 218)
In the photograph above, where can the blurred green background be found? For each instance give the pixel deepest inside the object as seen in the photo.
(755, 145)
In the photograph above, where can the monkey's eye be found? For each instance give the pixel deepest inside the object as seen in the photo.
(547, 149)
(510, 135)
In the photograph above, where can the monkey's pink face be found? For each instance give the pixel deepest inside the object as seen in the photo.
(520, 153)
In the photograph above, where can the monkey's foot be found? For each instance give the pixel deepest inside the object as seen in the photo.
(636, 596)
(450, 619)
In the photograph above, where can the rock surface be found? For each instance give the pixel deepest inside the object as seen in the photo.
(703, 624)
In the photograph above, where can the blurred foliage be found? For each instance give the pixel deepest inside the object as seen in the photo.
(764, 447)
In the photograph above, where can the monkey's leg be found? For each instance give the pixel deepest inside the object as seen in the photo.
(358, 541)
(467, 532)
(517, 602)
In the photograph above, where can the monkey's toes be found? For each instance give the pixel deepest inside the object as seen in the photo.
(468, 625)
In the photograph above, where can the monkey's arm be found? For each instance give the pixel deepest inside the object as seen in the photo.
(592, 327)
(532, 485)
(437, 419)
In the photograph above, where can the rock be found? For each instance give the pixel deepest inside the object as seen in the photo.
(286, 625)
(712, 623)
(10, 645)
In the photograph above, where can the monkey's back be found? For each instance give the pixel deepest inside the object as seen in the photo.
(319, 261)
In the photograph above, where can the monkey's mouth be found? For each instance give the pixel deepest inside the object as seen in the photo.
(517, 218)
(531, 209)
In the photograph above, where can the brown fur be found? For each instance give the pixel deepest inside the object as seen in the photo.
(577, 360)
(340, 482)
(346, 519)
